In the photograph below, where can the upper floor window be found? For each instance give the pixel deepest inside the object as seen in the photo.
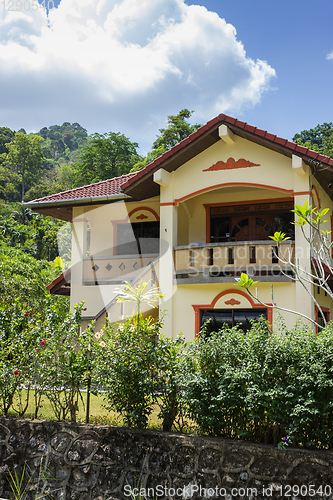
(138, 238)
(253, 222)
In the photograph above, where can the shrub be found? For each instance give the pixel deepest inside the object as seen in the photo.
(126, 366)
(264, 386)
(140, 368)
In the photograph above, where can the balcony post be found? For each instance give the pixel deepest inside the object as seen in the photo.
(79, 249)
(303, 302)
(168, 240)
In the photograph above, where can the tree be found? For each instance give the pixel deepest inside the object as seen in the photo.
(6, 135)
(151, 156)
(319, 138)
(25, 157)
(106, 156)
(177, 130)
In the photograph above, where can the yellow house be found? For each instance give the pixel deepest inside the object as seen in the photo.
(191, 222)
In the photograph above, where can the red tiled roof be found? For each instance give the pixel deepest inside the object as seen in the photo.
(103, 188)
(113, 186)
(225, 119)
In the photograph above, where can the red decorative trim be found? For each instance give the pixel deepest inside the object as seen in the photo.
(232, 302)
(139, 209)
(197, 307)
(248, 202)
(314, 192)
(301, 193)
(142, 217)
(231, 164)
(289, 192)
(324, 309)
(168, 204)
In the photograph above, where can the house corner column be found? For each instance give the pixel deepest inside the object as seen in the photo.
(168, 240)
(79, 249)
(302, 193)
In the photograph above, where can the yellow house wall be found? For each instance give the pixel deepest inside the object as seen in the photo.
(274, 170)
(102, 218)
(273, 178)
(188, 295)
(99, 219)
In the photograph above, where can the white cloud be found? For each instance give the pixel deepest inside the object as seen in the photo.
(123, 65)
(329, 56)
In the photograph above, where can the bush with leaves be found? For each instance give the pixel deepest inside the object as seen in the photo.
(64, 365)
(271, 387)
(19, 350)
(126, 366)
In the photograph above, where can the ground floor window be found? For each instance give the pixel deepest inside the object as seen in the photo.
(230, 317)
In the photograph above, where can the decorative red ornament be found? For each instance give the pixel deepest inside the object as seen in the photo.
(232, 302)
(16, 372)
(230, 164)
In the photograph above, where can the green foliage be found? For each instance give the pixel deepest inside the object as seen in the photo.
(151, 156)
(25, 157)
(126, 367)
(263, 386)
(64, 362)
(140, 367)
(279, 236)
(319, 138)
(24, 278)
(245, 282)
(32, 233)
(138, 295)
(6, 135)
(170, 354)
(106, 156)
(177, 129)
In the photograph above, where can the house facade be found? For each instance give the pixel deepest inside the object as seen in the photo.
(190, 223)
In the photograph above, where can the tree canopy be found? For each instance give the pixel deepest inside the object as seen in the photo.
(319, 138)
(106, 156)
(177, 129)
(24, 157)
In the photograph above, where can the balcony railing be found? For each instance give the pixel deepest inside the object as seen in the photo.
(115, 269)
(223, 261)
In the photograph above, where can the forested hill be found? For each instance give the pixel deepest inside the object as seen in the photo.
(62, 157)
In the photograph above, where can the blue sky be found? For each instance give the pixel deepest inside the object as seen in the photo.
(124, 65)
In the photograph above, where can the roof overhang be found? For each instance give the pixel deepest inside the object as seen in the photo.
(63, 209)
(61, 285)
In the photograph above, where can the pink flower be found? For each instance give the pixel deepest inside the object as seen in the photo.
(97, 335)
(16, 372)
(102, 344)
(26, 314)
(42, 342)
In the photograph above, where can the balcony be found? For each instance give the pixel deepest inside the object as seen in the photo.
(222, 262)
(111, 270)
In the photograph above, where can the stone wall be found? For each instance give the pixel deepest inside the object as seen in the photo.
(102, 462)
